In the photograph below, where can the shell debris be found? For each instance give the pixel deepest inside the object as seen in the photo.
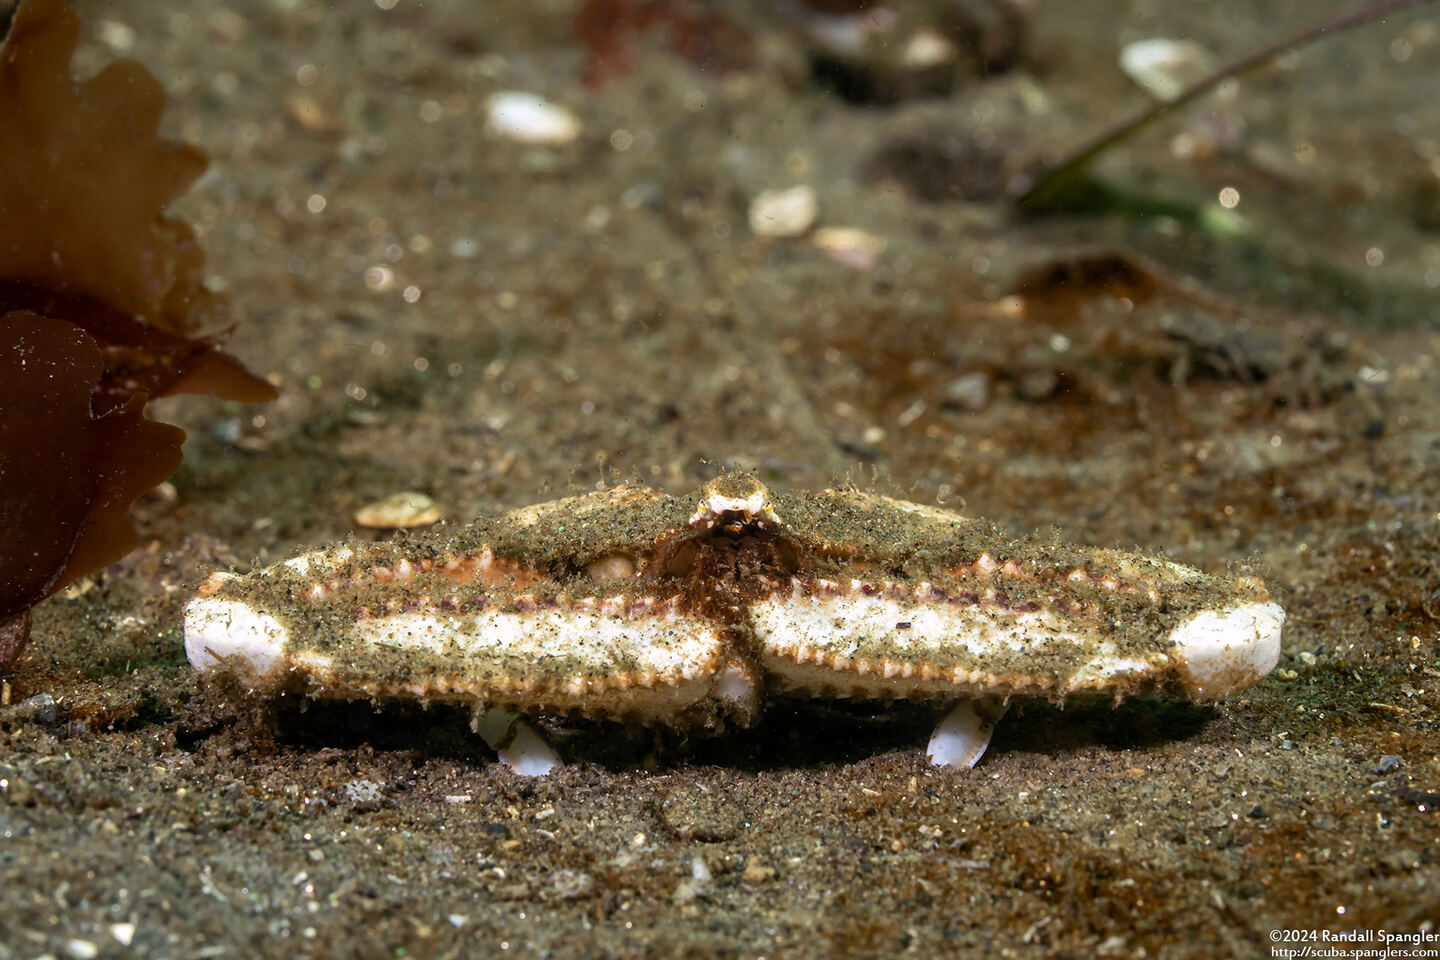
(784, 213)
(531, 119)
(399, 511)
(1164, 68)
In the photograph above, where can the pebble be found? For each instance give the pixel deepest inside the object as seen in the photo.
(40, 708)
(970, 391)
(1389, 763)
(756, 872)
(696, 885)
(364, 793)
(18, 792)
(1164, 68)
(531, 119)
(784, 213)
(572, 884)
(399, 511)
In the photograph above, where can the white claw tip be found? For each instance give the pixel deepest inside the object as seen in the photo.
(519, 745)
(1228, 650)
(221, 630)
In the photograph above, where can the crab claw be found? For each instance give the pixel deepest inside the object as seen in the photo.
(963, 734)
(520, 746)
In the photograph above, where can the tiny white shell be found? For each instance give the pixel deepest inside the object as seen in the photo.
(399, 511)
(784, 213)
(928, 48)
(530, 118)
(1165, 67)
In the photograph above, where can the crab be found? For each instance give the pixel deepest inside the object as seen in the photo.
(632, 605)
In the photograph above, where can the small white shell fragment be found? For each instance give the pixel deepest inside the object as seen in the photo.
(399, 511)
(961, 737)
(784, 213)
(530, 118)
(82, 949)
(1164, 68)
(520, 746)
(849, 245)
(928, 48)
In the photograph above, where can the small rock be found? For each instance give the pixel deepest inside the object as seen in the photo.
(531, 119)
(756, 872)
(784, 213)
(40, 708)
(696, 885)
(399, 511)
(366, 794)
(512, 891)
(78, 589)
(572, 884)
(1111, 947)
(1038, 384)
(1257, 812)
(970, 391)
(1388, 763)
(18, 792)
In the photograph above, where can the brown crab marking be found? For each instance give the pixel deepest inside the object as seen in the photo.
(632, 605)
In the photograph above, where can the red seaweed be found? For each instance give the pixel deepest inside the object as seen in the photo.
(67, 476)
(101, 304)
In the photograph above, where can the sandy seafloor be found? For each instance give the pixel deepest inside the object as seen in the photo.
(602, 312)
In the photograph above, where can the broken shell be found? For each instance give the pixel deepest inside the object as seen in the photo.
(1165, 67)
(530, 118)
(784, 213)
(399, 511)
(850, 246)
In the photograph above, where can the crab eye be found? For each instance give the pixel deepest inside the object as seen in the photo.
(612, 566)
